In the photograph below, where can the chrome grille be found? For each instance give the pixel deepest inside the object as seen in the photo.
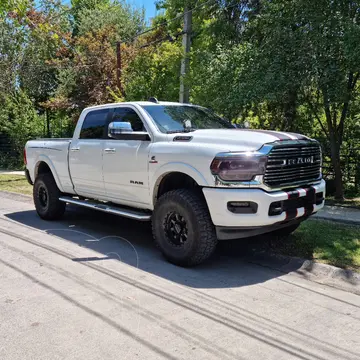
(293, 164)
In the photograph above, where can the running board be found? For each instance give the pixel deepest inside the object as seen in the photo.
(132, 214)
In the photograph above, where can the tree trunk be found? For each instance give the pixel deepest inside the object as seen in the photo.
(335, 143)
(47, 123)
(335, 160)
(290, 111)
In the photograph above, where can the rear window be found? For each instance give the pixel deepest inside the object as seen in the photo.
(94, 124)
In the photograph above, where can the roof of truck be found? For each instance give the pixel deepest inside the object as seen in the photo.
(141, 103)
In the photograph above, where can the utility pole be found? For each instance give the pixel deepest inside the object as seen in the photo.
(118, 67)
(47, 123)
(185, 62)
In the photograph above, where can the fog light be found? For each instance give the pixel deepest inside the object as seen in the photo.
(240, 204)
(242, 207)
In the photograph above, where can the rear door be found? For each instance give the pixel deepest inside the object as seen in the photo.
(125, 161)
(86, 153)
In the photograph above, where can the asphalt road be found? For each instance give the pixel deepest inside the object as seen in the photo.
(94, 287)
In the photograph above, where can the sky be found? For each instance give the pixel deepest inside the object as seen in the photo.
(149, 6)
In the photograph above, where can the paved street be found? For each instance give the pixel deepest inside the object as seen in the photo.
(94, 287)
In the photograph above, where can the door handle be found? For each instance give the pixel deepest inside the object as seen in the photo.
(110, 150)
(75, 149)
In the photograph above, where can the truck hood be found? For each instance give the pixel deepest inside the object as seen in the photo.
(240, 139)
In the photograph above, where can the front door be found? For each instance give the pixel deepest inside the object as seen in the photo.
(125, 162)
(86, 155)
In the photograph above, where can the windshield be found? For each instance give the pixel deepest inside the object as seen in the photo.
(179, 118)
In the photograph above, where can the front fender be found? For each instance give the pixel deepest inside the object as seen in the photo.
(174, 167)
(47, 160)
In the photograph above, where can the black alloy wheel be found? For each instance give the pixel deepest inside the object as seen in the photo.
(176, 229)
(182, 227)
(46, 198)
(43, 196)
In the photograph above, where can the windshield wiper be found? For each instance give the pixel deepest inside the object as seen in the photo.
(181, 131)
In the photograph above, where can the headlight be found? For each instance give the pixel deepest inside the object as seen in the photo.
(238, 166)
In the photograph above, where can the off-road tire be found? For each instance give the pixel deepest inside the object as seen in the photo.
(52, 208)
(201, 235)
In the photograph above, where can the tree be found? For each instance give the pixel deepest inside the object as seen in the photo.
(87, 65)
(293, 53)
(19, 120)
(310, 50)
(154, 71)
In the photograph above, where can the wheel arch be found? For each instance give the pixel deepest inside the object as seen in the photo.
(176, 177)
(43, 166)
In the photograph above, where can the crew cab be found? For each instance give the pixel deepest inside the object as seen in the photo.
(195, 176)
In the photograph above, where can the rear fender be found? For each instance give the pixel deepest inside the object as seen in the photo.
(46, 159)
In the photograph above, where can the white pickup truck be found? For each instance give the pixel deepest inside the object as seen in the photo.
(196, 177)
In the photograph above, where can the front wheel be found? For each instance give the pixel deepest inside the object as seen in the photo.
(183, 229)
(46, 198)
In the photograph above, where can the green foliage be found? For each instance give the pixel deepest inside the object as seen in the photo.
(20, 122)
(123, 18)
(154, 72)
(288, 65)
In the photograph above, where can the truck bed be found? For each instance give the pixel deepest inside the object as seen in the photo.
(56, 153)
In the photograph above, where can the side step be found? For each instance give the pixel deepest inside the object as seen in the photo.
(132, 214)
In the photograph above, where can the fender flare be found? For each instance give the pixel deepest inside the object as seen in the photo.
(179, 167)
(46, 159)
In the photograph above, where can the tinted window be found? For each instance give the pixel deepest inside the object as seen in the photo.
(94, 124)
(124, 114)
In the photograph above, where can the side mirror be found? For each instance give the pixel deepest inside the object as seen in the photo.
(123, 131)
(117, 128)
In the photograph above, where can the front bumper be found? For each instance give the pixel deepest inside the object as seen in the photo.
(273, 207)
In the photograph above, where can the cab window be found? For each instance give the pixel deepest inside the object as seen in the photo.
(124, 114)
(94, 124)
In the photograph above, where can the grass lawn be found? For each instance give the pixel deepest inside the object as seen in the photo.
(324, 241)
(15, 183)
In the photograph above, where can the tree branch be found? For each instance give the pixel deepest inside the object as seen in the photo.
(356, 78)
(318, 119)
(351, 85)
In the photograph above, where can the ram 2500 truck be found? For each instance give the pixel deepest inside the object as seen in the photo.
(196, 177)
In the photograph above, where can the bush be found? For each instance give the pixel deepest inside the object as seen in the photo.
(19, 121)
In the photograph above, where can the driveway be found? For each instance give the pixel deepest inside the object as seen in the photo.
(93, 286)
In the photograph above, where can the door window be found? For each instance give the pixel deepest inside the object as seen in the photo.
(124, 114)
(94, 124)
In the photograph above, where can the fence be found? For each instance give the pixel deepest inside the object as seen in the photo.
(350, 164)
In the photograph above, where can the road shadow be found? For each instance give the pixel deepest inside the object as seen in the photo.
(131, 242)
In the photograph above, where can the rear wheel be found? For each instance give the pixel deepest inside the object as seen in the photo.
(46, 198)
(182, 228)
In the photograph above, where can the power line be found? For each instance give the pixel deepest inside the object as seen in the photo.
(168, 21)
(166, 38)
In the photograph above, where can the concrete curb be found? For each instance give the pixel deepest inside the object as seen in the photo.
(14, 172)
(325, 274)
(342, 221)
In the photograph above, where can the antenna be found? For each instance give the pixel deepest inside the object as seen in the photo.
(153, 99)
